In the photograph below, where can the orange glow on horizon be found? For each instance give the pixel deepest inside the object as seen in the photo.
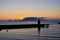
(21, 15)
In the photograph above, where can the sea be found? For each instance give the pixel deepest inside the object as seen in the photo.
(51, 33)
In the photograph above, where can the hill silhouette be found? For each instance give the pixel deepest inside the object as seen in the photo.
(33, 18)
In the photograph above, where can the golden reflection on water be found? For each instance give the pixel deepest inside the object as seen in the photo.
(21, 31)
(52, 30)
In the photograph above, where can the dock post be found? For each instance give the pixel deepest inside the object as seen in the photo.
(39, 30)
(7, 30)
(38, 26)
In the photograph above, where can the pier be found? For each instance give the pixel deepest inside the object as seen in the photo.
(19, 26)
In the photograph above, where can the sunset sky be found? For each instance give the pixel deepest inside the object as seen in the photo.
(18, 9)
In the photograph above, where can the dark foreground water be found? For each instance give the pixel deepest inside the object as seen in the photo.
(51, 33)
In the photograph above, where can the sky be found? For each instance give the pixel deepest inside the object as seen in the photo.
(18, 9)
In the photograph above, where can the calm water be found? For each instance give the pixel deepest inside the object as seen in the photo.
(51, 33)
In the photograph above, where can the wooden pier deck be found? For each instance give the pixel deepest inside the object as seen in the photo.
(19, 26)
(22, 26)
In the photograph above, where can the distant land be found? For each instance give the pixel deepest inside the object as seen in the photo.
(35, 19)
(41, 19)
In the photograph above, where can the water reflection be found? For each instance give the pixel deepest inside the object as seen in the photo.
(51, 33)
(38, 35)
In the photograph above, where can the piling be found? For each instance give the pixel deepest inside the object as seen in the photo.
(39, 27)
